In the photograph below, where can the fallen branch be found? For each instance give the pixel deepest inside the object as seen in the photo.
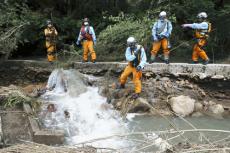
(11, 31)
(159, 132)
(202, 150)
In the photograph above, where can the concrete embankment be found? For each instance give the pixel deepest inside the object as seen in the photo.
(13, 71)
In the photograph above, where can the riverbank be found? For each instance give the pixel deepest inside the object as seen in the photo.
(160, 83)
(206, 84)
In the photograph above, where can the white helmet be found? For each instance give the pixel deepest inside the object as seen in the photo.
(163, 14)
(131, 42)
(202, 15)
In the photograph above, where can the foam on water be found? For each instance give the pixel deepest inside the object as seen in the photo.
(90, 116)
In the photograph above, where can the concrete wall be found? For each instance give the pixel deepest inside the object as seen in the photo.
(38, 71)
(198, 71)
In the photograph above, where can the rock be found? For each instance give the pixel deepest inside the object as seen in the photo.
(182, 105)
(216, 109)
(117, 103)
(149, 74)
(210, 103)
(140, 105)
(198, 107)
(128, 105)
(189, 86)
(218, 77)
(202, 92)
(202, 76)
(34, 90)
(197, 114)
(182, 82)
(164, 79)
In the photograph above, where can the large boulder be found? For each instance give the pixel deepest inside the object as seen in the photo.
(34, 90)
(129, 105)
(182, 105)
(67, 80)
(198, 107)
(216, 109)
(139, 105)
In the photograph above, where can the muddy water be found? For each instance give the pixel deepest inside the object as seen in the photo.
(140, 123)
(90, 117)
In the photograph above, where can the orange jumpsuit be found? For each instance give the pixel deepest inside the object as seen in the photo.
(51, 34)
(161, 32)
(132, 68)
(157, 45)
(88, 38)
(202, 30)
(198, 50)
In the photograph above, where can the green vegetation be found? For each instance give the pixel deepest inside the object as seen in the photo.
(22, 24)
(17, 98)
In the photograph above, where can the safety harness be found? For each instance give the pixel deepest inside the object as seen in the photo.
(203, 33)
(137, 60)
(85, 33)
(52, 37)
(161, 29)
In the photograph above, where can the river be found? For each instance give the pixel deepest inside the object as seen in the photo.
(88, 119)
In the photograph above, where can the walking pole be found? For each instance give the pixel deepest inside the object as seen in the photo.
(174, 49)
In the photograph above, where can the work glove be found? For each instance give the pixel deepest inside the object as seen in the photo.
(78, 42)
(159, 37)
(155, 38)
(162, 36)
(165, 35)
(139, 68)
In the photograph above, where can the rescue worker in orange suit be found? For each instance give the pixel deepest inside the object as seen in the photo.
(136, 56)
(161, 32)
(88, 39)
(202, 30)
(51, 35)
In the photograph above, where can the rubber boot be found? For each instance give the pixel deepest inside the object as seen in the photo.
(206, 62)
(166, 59)
(93, 61)
(194, 62)
(120, 86)
(135, 96)
(152, 59)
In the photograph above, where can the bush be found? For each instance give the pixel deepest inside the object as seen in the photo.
(112, 41)
(12, 25)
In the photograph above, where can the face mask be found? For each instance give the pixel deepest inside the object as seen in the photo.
(86, 23)
(200, 20)
(132, 46)
(162, 18)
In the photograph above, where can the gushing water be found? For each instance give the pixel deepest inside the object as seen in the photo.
(82, 112)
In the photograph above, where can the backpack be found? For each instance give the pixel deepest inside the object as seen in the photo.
(85, 33)
(161, 29)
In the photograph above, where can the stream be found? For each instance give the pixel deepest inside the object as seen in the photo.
(84, 115)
